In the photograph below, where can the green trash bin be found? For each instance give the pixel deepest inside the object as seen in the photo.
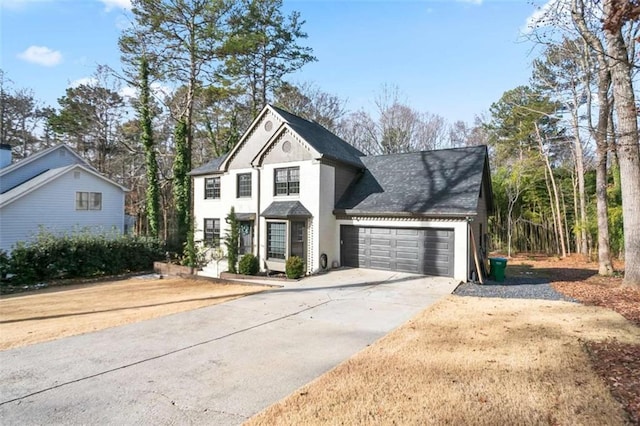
(498, 266)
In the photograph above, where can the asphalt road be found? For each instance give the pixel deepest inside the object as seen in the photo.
(216, 365)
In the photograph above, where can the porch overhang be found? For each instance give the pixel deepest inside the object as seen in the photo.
(286, 210)
(246, 216)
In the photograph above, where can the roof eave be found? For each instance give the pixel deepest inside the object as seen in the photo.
(434, 215)
(205, 173)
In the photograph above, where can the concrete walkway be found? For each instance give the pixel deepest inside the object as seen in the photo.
(216, 365)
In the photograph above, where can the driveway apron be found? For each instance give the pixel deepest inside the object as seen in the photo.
(215, 365)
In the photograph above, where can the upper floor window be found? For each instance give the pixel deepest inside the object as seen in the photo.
(212, 187)
(88, 200)
(244, 185)
(212, 232)
(287, 181)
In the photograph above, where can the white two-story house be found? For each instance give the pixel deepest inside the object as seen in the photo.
(300, 190)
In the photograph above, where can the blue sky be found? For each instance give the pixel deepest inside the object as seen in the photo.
(452, 58)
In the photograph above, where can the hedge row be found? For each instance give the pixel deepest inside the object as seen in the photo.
(80, 256)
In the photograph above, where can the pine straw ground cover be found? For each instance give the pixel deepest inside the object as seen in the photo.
(469, 360)
(617, 363)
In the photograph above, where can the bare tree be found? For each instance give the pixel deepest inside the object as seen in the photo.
(397, 127)
(616, 15)
(308, 101)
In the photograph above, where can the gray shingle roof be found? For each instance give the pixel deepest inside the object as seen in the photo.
(285, 209)
(322, 140)
(440, 182)
(212, 166)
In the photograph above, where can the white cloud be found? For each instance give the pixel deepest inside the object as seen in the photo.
(128, 92)
(109, 5)
(41, 55)
(160, 90)
(87, 81)
(552, 13)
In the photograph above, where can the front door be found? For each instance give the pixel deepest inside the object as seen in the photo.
(246, 237)
(297, 239)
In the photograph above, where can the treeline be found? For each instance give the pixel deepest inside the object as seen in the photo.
(195, 75)
(564, 149)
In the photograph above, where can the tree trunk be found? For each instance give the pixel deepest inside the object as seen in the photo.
(577, 235)
(566, 228)
(598, 132)
(579, 160)
(556, 228)
(628, 150)
(556, 198)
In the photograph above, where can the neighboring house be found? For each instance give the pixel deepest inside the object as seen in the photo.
(298, 189)
(57, 191)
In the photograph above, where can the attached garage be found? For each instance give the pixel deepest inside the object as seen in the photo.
(428, 251)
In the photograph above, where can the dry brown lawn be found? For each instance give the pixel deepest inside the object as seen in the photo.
(470, 360)
(27, 318)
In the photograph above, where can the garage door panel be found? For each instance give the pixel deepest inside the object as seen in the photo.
(418, 250)
(407, 244)
(379, 264)
(380, 242)
(380, 231)
(407, 267)
(380, 253)
(414, 232)
(407, 255)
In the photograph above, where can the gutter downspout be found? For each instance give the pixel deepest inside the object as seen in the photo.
(258, 216)
(468, 259)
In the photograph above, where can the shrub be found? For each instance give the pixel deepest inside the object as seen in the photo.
(4, 264)
(232, 240)
(80, 256)
(294, 267)
(248, 265)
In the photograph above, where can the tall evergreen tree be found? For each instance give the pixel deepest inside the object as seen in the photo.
(263, 47)
(182, 191)
(152, 197)
(181, 39)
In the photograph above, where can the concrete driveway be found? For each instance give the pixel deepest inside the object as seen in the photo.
(216, 365)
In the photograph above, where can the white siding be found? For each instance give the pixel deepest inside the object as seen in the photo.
(219, 208)
(326, 218)
(255, 141)
(57, 158)
(309, 197)
(52, 206)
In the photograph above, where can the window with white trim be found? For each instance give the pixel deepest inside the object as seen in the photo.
(212, 232)
(276, 240)
(286, 181)
(88, 200)
(212, 188)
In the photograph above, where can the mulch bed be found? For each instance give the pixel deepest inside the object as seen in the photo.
(617, 363)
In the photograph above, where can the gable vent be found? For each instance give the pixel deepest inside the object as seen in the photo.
(76, 175)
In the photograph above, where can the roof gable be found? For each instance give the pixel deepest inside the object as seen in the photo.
(322, 140)
(24, 170)
(432, 183)
(45, 178)
(322, 143)
(41, 154)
